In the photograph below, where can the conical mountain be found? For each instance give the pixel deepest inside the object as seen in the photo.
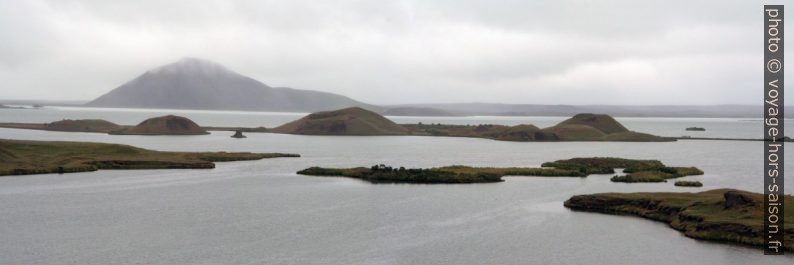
(193, 83)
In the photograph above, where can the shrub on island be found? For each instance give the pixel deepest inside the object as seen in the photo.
(688, 183)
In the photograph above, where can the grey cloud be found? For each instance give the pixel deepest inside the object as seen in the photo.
(386, 52)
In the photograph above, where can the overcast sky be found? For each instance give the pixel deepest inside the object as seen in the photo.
(387, 52)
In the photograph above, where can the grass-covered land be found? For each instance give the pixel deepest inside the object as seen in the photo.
(605, 165)
(18, 157)
(88, 125)
(450, 174)
(348, 121)
(719, 215)
(638, 170)
(688, 183)
(642, 171)
(661, 174)
(514, 171)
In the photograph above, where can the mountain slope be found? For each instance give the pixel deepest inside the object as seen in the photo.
(193, 83)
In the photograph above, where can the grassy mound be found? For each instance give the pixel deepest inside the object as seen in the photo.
(601, 122)
(450, 174)
(90, 125)
(19, 157)
(574, 132)
(165, 125)
(719, 215)
(596, 127)
(349, 121)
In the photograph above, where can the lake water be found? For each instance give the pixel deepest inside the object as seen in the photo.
(261, 212)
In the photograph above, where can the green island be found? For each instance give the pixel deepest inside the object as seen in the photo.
(20, 157)
(576, 167)
(688, 183)
(638, 170)
(722, 215)
(661, 174)
(449, 174)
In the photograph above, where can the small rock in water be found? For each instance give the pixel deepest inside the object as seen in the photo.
(238, 134)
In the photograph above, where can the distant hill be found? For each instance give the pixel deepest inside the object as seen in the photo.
(193, 83)
(165, 125)
(348, 121)
(417, 111)
(499, 109)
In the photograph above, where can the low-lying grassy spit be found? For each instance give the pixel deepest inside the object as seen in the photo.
(450, 174)
(18, 157)
(576, 167)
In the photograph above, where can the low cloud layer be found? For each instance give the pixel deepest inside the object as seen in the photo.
(390, 52)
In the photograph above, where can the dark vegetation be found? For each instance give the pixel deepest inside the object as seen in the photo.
(688, 183)
(238, 134)
(18, 157)
(638, 170)
(450, 174)
(718, 215)
(661, 174)
(695, 129)
(576, 167)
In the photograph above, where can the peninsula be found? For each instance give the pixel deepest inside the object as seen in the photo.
(723, 215)
(19, 157)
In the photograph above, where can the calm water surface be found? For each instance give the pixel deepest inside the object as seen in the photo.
(261, 212)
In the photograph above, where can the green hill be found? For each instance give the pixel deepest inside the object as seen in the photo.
(89, 125)
(574, 132)
(595, 127)
(165, 125)
(349, 121)
(602, 122)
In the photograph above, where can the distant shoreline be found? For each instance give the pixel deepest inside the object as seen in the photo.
(456, 110)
